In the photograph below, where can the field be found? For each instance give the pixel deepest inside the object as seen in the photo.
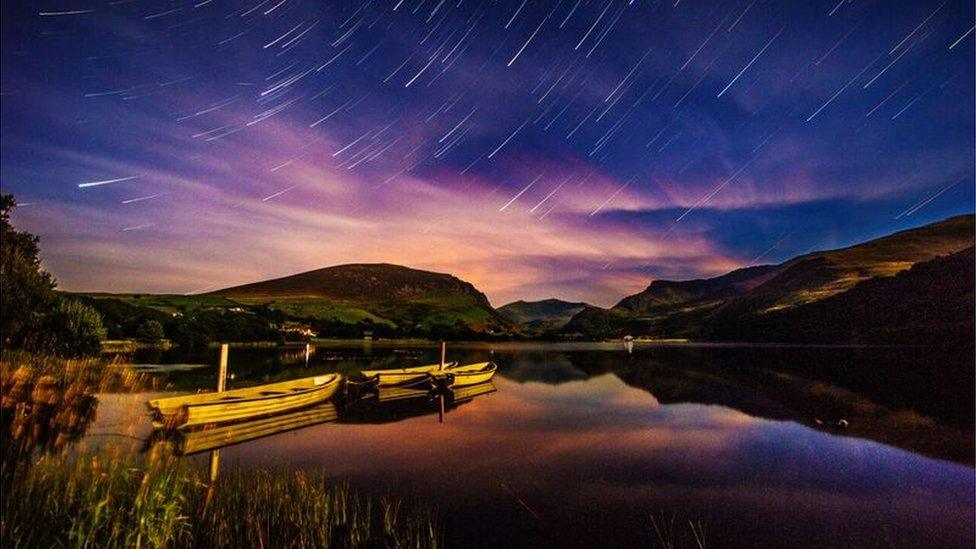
(170, 303)
(448, 310)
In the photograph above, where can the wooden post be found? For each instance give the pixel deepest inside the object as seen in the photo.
(443, 353)
(214, 464)
(222, 370)
(441, 416)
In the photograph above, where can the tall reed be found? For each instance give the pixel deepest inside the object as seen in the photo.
(108, 501)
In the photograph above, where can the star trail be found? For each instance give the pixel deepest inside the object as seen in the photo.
(572, 148)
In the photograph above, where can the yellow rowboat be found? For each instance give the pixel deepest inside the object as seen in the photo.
(211, 438)
(240, 404)
(462, 376)
(404, 376)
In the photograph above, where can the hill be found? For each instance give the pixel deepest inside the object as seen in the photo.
(391, 296)
(932, 302)
(341, 301)
(711, 308)
(542, 316)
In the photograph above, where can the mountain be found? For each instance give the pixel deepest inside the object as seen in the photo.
(391, 296)
(543, 316)
(712, 308)
(358, 282)
(932, 302)
(667, 293)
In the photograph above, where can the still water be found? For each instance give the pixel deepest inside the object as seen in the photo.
(582, 444)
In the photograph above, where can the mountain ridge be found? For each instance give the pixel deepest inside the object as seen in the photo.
(372, 281)
(687, 308)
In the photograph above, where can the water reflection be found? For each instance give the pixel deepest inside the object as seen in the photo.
(523, 466)
(581, 444)
(183, 443)
(917, 399)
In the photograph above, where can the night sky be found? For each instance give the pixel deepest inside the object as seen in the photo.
(574, 149)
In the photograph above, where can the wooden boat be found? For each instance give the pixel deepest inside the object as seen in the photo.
(399, 403)
(214, 437)
(462, 376)
(240, 404)
(404, 376)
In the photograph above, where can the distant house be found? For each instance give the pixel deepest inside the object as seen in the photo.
(295, 330)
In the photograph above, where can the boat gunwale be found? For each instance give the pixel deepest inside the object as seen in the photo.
(450, 380)
(410, 370)
(336, 378)
(489, 367)
(243, 391)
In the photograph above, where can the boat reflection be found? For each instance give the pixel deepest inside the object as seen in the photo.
(392, 404)
(212, 437)
(386, 405)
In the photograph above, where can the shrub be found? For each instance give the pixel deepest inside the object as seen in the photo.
(150, 330)
(71, 329)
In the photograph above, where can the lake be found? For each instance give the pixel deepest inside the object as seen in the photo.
(583, 444)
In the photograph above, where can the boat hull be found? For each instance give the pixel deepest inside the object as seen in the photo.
(242, 404)
(472, 374)
(414, 375)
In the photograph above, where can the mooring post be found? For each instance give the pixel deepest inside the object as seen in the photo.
(222, 370)
(214, 464)
(443, 353)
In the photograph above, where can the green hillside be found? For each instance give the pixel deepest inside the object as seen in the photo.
(341, 301)
(387, 295)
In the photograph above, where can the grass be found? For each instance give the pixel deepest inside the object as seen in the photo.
(132, 345)
(20, 370)
(105, 501)
(170, 303)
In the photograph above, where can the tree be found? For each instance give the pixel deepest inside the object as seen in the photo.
(26, 290)
(70, 329)
(150, 330)
(32, 315)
